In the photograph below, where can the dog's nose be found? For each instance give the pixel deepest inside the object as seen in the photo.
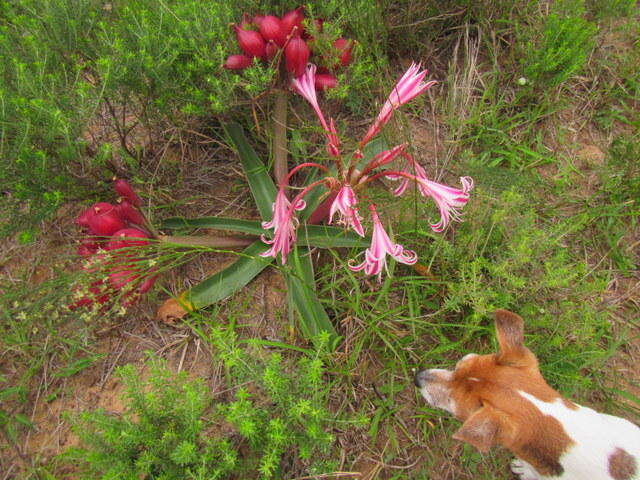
(422, 378)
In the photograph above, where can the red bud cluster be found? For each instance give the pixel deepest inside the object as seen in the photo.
(118, 229)
(265, 36)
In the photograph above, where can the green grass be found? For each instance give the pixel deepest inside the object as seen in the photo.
(547, 233)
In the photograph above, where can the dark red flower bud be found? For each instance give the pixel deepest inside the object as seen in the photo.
(251, 42)
(297, 56)
(124, 189)
(146, 285)
(325, 81)
(271, 29)
(131, 213)
(344, 48)
(237, 62)
(83, 218)
(272, 50)
(291, 19)
(106, 220)
(125, 238)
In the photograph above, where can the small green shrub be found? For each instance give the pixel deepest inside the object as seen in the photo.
(171, 429)
(560, 51)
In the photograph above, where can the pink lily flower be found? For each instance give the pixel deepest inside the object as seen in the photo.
(449, 200)
(344, 204)
(305, 85)
(375, 257)
(284, 226)
(407, 88)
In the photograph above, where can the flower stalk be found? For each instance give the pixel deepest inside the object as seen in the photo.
(341, 203)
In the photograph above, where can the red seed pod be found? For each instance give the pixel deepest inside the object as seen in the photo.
(272, 50)
(291, 19)
(271, 29)
(83, 218)
(344, 48)
(325, 81)
(251, 42)
(146, 285)
(106, 220)
(237, 62)
(297, 56)
(125, 239)
(131, 213)
(124, 189)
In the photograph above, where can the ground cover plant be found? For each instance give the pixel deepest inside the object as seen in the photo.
(536, 101)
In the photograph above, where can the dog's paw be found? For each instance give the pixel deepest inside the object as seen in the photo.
(523, 470)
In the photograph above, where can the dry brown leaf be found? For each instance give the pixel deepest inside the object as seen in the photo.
(172, 310)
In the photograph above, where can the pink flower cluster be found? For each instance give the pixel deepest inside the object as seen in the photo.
(268, 37)
(349, 180)
(112, 233)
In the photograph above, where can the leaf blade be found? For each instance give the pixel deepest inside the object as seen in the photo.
(313, 317)
(262, 187)
(226, 282)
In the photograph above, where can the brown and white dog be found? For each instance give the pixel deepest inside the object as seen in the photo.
(503, 399)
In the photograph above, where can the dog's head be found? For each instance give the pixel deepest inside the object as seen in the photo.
(484, 391)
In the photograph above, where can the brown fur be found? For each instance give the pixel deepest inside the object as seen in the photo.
(622, 466)
(485, 390)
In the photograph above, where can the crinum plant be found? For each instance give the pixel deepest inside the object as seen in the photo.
(290, 225)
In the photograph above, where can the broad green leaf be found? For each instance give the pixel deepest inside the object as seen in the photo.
(262, 187)
(228, 281)
(311, 235)
(302, 295)
(324, 236)
(253, 227)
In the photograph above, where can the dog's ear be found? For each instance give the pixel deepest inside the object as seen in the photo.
(480, 429)
(510, 331)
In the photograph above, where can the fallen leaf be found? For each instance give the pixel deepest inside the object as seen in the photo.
(173, 310)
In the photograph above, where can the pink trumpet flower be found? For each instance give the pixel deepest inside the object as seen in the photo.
(305, 85)
(375, 257)
(449, 199)
(344, 204)
(284, 226)
(407, 88)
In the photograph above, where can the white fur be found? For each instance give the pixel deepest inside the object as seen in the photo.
(596, 436)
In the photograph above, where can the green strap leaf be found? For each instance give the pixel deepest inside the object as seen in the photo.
(252, 227)
(322, 236)
(228, 281)
(262, 187)
(302, 295)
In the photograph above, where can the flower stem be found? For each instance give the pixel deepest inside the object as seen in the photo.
(280, 137)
